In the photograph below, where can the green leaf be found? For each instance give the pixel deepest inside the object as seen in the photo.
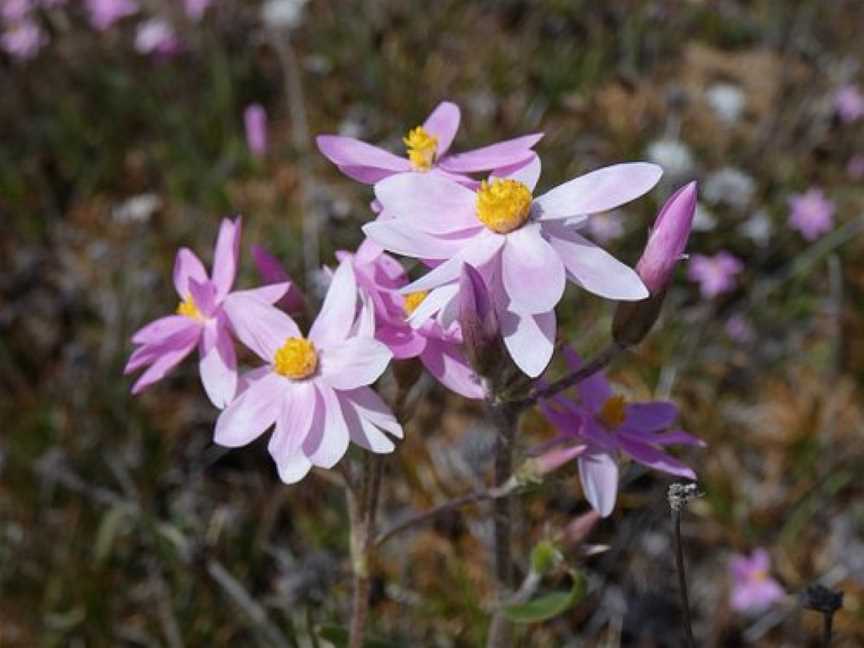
(339, 636)
(546, 606)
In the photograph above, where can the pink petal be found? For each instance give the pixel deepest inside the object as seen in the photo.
(653, 458)
(403, 341)
(528, 173)
(431, 202)
(675, 437)
(218, 364)
(594, 391)
(252, 412)
(328, 437)
(294, 468)
(262, 328)
(443, 123)
(448, 364)
(339, 310)
(226, 256)
(532, 272)
(187, 266)
(530, 339)
(405, 238)
(163, 362)
(269, 294)
(651, 417)
(434, 302)
(292, 426)
(598, 473)
(360, 161)
(492, 157)
(599, 191)
(366, 416)
(356, 362)
(373, 409)
(477, 252)
(204, 295)
(593, 268)
(161, 330)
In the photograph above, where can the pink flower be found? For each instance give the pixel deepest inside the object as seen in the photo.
(200, 320)
(608, 426)
(526, 248)
(427, 150)
(255, 120)
(437, 345)
(849, 103)
(605, 228)
(104, 13)
(714, 274)
(157, 36)
(195, 8)
(811, 213)
(14, 10)
(313, 389)
(753, 589)
(739, 329)
(23, 39)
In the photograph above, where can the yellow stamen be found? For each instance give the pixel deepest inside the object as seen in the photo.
(760, 576)
(188, 308)
(413, 301)
(422, 148)
(503, 205)
(296, 359)
(613, 412)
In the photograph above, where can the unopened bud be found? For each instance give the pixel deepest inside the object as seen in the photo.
(478, 321)
(271, 271)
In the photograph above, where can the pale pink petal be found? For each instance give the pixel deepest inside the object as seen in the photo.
(226, 256)
(599, 191)
(403, 341)
(450, 367)
(360, 161)
(434, 302)
(361, 421)
(530, 339)
(491, 157)
(204, 295)
(355, 362)
(404, 238)
(373, 409)
(218, 364)
(163, 363)
(259, 326)
(653, 458)
(593, 268)
(162, 329)
(269, 294)
(443, 123)
(328, 437)
(532, 272)
(187, 266)
(598, 473)
(294, 468)
(339, 310)
(252, 412)
(528, 173)
(430, 202)
(292, 425)
(477, 252)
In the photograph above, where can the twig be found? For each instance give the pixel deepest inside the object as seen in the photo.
(678, 496)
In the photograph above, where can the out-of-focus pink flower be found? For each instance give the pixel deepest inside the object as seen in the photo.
(608, 426)
(201, 320)
(195, 8)
(104, 13)
(753, 589)
(811, 213)
(23, 39)
(436, 344)
(604, 228)
(739, 329)
(14, 10)
(714, 274)
(526, 248)
(855, 167)
(156, 36)
(849, 103)
(427, 148)
(272, 272)
(255, 121)
(314, 389)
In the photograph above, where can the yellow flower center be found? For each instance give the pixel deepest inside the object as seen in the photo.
(188, 308)
(413, 301)
(613, 412)
(296, 359)
(503, 205)
(422, 148)
(760, 576)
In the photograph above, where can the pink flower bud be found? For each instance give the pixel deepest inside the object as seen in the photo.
(272, 272)
(255, 119)
(665, 246)
(478, 321)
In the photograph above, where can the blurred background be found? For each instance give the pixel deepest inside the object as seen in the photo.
(123, 136)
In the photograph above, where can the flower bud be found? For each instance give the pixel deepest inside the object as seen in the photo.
(478, 321)
(255, 121)
(665, 246)
(271, 272)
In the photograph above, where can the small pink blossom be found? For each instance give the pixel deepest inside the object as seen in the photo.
(195, 8)
(314, 389)
(104, 13)
(428, 149)
(255, 121)
(714, 274)
(753, 589)
(156, 36)
(849, 103)
(739, 329)
(811, 213)
(14, 10)
(23, 39)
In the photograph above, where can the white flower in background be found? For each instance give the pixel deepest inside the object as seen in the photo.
(137, 209)
(703, 220)
(671, 154)
(757, 228)
(282, 14)
(729, 186)
(727, 101)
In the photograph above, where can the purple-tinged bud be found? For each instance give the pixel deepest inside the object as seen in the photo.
(272, 272)
(478, 321)
(665, 247)
(255, 120)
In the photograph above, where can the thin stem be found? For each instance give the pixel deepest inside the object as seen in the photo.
(827, 628)
(682, 576)
(601, 361)
(362, 509)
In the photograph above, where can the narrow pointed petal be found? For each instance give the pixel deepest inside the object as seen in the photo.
(443, 123)
(532, 272)
(226, 257)
(599, 191)
(478, 252)
(204, 294)
(528, 172)
(598, 473)
(218, 364)
(293, 423)
(404, 238)
(163, 363)
(187, 266)
(339, 310)
(356, 362)
(653, 458)
(360, 161)
(491, 157)
(328, 437)
(651, 417)
(269, 294)
(450, 367)
(260, 327)
(294, 468)
(403, 341)
(434, 302)
(361, 429)
(372, 408)
(252, 412)
(431, 202)
(530, 339)
(161, 330)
